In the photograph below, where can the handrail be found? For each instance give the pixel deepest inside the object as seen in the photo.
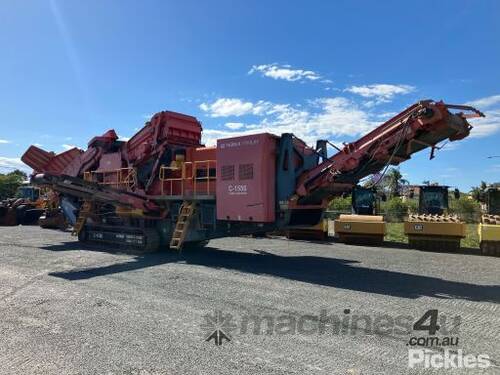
(185, 179)
(125, 177)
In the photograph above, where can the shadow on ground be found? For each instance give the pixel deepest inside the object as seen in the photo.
(330, 272)
(404, 246)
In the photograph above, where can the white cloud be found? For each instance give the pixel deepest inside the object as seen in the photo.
(485, 126)
(325, 118)
(340, 116)
(224, 107)
(37, 144)
(380, 93)
(486, 102)
(4, 141)
(210, 136)
(13, 163)
(490, 124)
(286, 72)
(234, 125)
(68, 147)
(124, 139)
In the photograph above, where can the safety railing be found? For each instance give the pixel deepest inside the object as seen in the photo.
(122, 178)
(189, 178)
(167, 179)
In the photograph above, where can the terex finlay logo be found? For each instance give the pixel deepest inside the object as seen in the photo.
(232, 144)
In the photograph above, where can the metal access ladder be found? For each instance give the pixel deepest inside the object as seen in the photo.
(84, 213)
(181, 227)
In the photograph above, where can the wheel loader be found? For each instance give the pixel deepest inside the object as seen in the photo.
(363, 226)
(53, 216)
(432, 228)
(25, 208)
(489, 228)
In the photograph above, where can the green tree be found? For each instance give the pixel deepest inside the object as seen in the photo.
(478, 191)
(468, 209)
(412, 205)
(19, 173)
(10, 182)
(341, 204)
(395, 209)
(394, 180)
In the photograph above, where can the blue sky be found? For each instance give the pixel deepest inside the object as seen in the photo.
(70, 70)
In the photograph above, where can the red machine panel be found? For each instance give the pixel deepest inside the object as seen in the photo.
(176, 128)
(246, 178)
(43, 161)
(110, 162)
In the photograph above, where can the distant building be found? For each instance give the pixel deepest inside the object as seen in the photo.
(409, 191)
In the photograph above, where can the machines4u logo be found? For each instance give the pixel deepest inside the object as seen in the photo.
(218, 327)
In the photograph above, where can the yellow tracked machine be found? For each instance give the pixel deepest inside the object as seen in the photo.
(489, 228)
(432, 228)
(363, 226)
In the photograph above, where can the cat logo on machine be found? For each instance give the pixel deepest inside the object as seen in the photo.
(419, 227)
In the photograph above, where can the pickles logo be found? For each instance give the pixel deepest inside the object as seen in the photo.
(428, 359)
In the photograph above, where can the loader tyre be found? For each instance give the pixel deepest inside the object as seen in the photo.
(82, 235)
(20, 213)
(31, 216)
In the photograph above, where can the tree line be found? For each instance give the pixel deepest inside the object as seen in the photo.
(10, 182)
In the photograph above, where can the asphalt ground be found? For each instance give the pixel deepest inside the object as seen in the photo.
(72, 308)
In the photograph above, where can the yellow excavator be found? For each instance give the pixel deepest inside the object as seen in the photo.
(432, 228)
(489, 228)
(363, 226)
